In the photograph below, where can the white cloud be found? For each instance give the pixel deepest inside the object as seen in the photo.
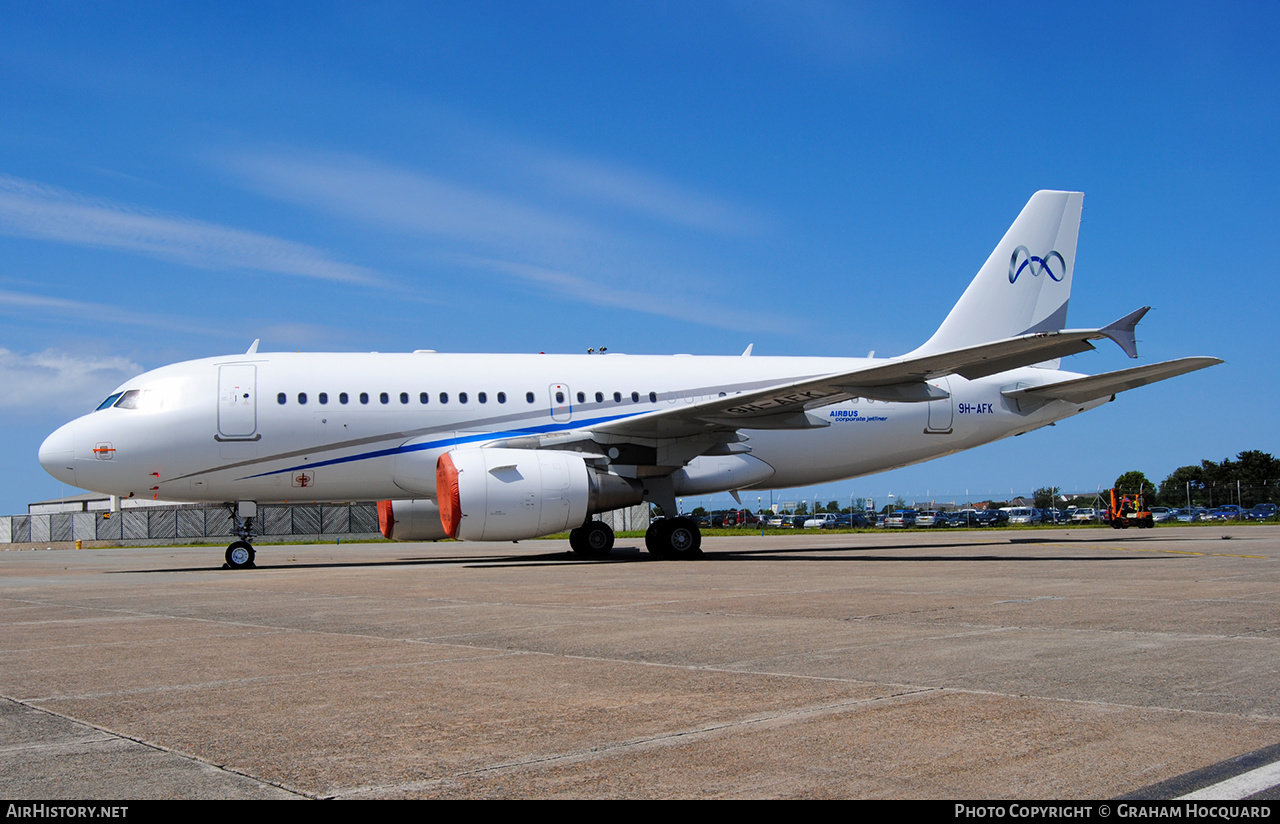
(648, 195)
(417, 203)
(680, 307)
(107, 314)
(402, 200)
(544, 235)
(37, 210)
(59, 380)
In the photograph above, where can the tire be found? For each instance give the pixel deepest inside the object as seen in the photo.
(595, 540)
(653, 539)
(677, 538)
(240, 555)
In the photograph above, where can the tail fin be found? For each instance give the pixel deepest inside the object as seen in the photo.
(1025, 284)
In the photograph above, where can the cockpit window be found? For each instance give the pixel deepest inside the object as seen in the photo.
(109, 402)
(147, 399)
(130, 399)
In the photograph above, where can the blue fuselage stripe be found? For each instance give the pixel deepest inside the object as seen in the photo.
(445, 442)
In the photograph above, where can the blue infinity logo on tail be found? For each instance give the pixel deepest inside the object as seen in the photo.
(1023, 259)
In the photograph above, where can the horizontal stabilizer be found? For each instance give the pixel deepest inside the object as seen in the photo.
(1083, 390)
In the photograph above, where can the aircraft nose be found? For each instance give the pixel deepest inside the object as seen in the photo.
(57, 453)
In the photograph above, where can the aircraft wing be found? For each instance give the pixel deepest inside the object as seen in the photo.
(1082, 390)
(783, 405)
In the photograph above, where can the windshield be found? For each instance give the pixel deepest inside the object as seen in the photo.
(111, 399)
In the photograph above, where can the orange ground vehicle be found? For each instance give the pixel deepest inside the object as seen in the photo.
(1129, 510)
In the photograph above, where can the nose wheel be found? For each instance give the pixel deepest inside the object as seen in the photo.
(240, 555)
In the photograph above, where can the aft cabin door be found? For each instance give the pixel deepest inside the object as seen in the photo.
(940, 411)
(237, 401)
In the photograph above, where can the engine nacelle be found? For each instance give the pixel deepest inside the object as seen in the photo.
(511, 494)
(417, 520)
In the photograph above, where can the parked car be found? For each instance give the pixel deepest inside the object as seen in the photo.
(1226, 512)
(1021, 515)
(932, 518)
(1161, 514)
(854, 521)
(900, 518)
(1263, 512)
(1192, 515)
(992, 517)
(818, 520)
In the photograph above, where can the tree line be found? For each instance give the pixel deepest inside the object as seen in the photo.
(1252, 478)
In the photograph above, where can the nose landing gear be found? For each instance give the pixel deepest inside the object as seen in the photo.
(240, 554)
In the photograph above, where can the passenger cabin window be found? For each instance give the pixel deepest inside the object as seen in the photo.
(342, 397)
(482, 397)
(599, 397)
(635, 397)
(281, 398)
(502, 397)
(528, 396)
(384, 398)
(323, 397)
(617, 397)
(462, 397)
(302, 397)
(364, 397)
(582, 397)
(404, 397)
(444, 397)
(422, 397)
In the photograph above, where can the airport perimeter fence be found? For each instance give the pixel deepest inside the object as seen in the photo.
(193, 524)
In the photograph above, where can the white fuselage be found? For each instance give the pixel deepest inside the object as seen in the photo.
(340, 427)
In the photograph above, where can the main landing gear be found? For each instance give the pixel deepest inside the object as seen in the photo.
(240, 554)
(593, 539)
(675, 538)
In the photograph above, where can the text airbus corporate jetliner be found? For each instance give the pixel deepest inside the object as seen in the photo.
(506, 447)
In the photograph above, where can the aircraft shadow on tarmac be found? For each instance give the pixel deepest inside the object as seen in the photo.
(631, 555)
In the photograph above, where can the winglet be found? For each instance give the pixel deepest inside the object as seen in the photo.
(746, 353)
(1122, 331)
(253, 347)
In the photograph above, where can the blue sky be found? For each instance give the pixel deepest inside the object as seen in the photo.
(811, 177)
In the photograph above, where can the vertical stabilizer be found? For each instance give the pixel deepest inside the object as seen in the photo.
(1025, 284)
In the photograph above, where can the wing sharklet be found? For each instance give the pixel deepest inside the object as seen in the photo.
(1122, 331)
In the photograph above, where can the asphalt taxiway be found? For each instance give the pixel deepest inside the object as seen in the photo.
(1020, 664)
